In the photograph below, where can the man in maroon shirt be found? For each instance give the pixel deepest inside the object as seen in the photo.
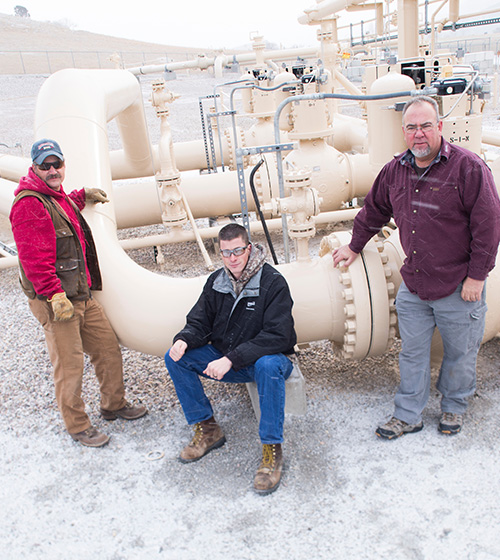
(446, 206)
(58, 267)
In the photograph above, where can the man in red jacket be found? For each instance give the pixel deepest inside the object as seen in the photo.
(58, 268)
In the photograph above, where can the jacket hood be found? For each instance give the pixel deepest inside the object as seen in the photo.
(32, 182)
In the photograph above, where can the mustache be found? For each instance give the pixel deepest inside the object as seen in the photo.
(53, 176)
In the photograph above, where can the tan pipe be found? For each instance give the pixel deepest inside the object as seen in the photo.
(146, 309)
(348, 134)
(136, 203)
(324, 9)
(275, 224)
(491, 137)
(454, 10)
(7, 189)
(176, 235)
(13, 168)
(385, 136)
(188, 155)
(407, 29)
(244, 58)
(346, 83)
(379, 14)
(433, 26)
(337, 177)
(8, 262)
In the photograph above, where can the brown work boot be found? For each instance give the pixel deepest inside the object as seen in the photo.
(268, 475)
(127, 412)
(207, 436)
(91, 437)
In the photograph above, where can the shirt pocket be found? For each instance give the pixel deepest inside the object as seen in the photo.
(443, 198)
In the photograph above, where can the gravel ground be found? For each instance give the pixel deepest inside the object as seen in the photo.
(345, 493)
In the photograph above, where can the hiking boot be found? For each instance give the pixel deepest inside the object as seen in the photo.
(451, 423)
(127, 412)
(91, 437)
(207, 436)
(396, 427)
(268, 476)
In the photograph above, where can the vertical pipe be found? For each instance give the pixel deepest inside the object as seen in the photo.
(407, 29)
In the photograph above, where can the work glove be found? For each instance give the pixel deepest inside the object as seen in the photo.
(61, 306)
(95, 195)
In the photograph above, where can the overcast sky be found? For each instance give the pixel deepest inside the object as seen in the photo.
(197, 23)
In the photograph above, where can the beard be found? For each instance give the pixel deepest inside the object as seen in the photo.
(421, 152)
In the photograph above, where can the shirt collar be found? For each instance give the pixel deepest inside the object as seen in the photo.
(444, 152)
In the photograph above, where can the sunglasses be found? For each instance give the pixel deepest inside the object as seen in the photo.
(46, 165)
(236, 252)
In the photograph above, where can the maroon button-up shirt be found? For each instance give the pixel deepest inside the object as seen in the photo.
(448, 219)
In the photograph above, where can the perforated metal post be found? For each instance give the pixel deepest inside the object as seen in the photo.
(240, 152)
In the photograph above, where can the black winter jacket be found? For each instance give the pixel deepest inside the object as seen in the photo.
(257, 323)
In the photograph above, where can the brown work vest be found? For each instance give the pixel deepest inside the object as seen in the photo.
(70, 262)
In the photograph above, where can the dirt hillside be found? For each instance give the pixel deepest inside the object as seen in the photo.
(29, 46)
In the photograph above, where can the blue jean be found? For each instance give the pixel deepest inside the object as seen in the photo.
(269, 372)
(461, 326)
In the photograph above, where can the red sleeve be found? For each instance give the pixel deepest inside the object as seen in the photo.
(78, 197)
(35, 239)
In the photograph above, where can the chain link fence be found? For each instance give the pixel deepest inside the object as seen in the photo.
(47, 62)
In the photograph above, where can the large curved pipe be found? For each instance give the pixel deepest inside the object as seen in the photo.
(353, 308)
(144, 308)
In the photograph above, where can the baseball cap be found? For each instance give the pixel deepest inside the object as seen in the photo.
(44, 148)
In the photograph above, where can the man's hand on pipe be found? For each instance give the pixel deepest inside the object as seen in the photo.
(95, 195)
(343, 256)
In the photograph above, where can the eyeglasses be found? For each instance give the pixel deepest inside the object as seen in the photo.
(426, 127)
(237, 252)
(46, 165)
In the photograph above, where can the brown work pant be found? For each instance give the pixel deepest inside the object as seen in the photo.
(87, 331)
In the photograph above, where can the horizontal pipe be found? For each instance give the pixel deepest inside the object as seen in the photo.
(177, 235)
(8, 262)
(490, 137)
(204, 63)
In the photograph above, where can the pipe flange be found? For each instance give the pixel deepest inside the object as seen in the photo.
(391, 290)
(368, 294)
(297, 178)
(302, 230)
(168, 182)
(328, 244)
